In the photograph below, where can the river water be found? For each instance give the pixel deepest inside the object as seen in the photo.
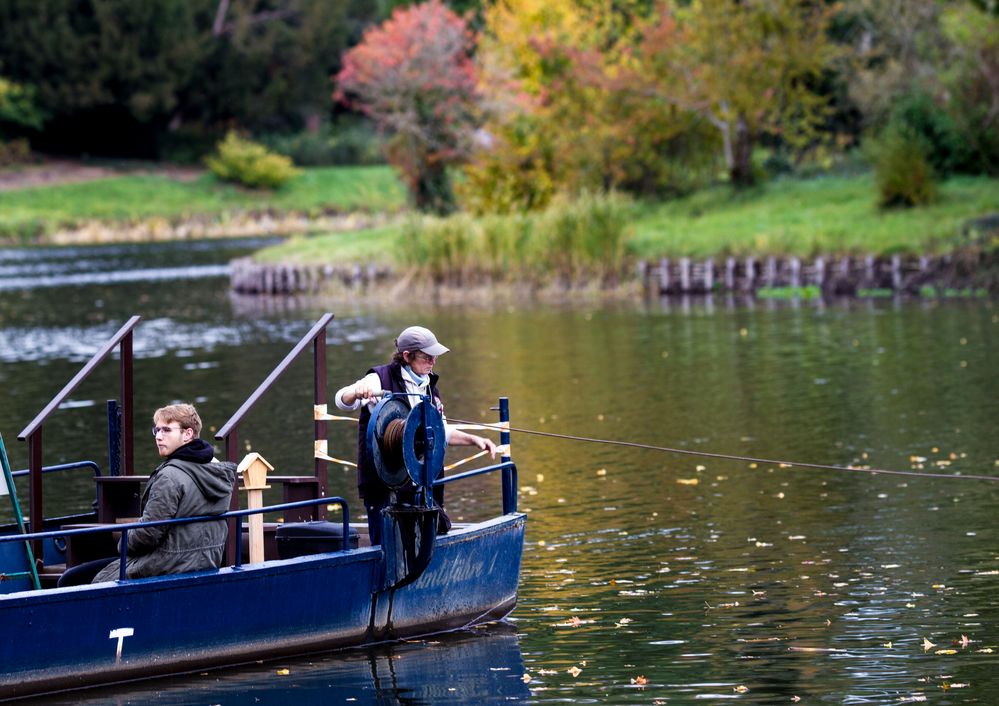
(648, 577)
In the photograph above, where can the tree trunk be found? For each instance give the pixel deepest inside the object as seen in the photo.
(433, 190)
(741, 168)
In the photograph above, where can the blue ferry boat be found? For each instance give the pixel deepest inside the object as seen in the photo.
(319, 584)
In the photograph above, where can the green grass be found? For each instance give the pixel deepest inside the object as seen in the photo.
(366, 246)
(137, 196)
(831, 215)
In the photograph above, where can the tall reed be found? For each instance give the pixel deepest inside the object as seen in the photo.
(573, 241)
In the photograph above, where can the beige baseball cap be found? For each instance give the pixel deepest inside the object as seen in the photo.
(418, 338)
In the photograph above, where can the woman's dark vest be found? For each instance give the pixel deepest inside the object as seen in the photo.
(368, 483)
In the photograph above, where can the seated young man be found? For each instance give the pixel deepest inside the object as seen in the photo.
(188, 483)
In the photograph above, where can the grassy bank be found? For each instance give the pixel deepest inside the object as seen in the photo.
(833, 215)
(28, 212)
(830, 215)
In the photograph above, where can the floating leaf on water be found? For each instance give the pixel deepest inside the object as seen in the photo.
(887, 644)
(601, 471)
(701, 468)
(639, 680)
(687, 481)
(985, 650)
(526, 678)
(740, 689)
(574, 671)
(965, 641)
(910, 605)
(927, 645)
(283, 672)
(795, 699)
(945, 652)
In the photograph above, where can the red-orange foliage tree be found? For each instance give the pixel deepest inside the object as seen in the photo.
(414, 77)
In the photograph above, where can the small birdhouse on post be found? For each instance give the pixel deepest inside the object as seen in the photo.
(254, 469)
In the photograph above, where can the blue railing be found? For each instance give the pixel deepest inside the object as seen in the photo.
(62, 467)
(509, 482)
(124, 528)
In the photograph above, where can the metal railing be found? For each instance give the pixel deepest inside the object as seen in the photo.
(229, 433)
(231, 515)
(32, 433)
(509, 469)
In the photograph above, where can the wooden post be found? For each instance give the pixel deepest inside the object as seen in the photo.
(771, 272)
(254, 469)
(664, 276)
(685, 274)
(896, 273)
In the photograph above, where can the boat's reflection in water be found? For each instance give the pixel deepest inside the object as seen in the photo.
(480, 666)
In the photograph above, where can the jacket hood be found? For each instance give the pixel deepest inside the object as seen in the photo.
(214, 479)
(195, 450)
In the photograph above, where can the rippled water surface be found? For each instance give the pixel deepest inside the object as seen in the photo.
(648, 577)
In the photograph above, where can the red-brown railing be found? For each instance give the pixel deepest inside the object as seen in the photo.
(229, 433)
(33, 432)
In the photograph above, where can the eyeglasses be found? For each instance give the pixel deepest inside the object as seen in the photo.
(420, 355)
(165, 430)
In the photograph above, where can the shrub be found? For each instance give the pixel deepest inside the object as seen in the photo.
(245, 162)
(917, 114)
(14, 152)
(902, 169)
(344, 143)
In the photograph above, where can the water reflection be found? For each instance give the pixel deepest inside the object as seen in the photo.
(483, 666)
(709, 579)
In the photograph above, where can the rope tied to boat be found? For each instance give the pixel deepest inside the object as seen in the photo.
(733, 457)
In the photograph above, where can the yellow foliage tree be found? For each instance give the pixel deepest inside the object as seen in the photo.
(748, 67)
(559, 117)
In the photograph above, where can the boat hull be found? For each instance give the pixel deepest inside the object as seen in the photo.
(87, 635)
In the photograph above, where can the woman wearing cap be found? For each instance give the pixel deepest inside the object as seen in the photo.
(411, 370)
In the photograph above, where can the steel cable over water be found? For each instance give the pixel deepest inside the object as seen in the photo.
(730, 457)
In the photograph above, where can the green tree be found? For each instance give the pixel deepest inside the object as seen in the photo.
(117, 76)
(749, 67)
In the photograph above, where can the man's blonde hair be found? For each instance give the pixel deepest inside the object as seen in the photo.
(184, 414)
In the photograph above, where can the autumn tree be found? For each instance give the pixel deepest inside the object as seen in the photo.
(414, 77)
(749, 67)
(557, 115)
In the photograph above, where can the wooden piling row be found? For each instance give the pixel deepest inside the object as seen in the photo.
(249, 277)
(843, 276)
(832, 275)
